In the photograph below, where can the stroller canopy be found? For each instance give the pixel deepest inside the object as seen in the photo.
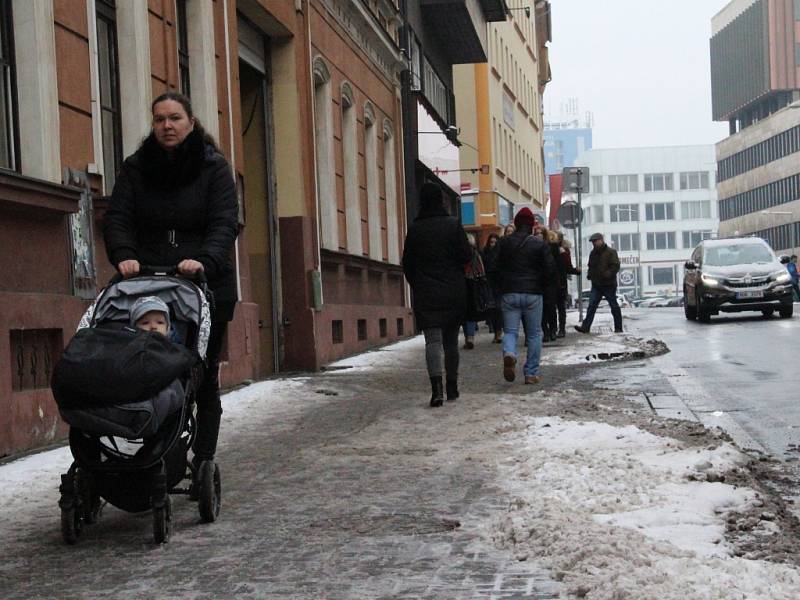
(186, 301)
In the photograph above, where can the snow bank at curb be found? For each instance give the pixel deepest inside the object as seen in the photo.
(614, 513)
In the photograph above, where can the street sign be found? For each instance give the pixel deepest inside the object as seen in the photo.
(569, 214)
(576, 180)
(626, 277)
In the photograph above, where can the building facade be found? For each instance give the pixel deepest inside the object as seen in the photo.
(502, 163)
(654, 205)
(755, 75)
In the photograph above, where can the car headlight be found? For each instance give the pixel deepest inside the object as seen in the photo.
(710, 281)
(781, 277)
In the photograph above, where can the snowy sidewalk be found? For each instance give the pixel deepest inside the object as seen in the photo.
(344, 484)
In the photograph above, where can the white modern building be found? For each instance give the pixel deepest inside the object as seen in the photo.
(654, 205)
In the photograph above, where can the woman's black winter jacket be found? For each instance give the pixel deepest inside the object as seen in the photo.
(526, 264)
(435, 254)
(164, 210)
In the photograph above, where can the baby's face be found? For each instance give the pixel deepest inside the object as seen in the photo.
(153, 321)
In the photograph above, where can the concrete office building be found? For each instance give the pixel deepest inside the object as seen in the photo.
(654, 205)
(755, 77)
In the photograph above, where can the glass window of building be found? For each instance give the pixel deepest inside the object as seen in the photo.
(108, 63)
(183, 47)
(661, 240)
(662, 275)
(660, 211)
(597, 184)
(657, 182)
(694, 180)
(624, 213)
(692, 238)
(625, 242)
(623, 183)
(696, 210)
(8, 113)
(597, 214)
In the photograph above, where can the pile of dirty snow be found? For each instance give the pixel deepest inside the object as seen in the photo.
(616, 512)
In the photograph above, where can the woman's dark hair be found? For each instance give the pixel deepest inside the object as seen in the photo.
(187, 106)
(492, 236)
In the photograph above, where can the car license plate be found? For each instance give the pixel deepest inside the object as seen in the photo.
(750, 294)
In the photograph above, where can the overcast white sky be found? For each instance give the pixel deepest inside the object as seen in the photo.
(640, 66)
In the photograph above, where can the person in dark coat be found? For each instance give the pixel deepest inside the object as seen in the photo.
(435, 253)
(603, 269)
(490, 253)
(526, 267)
(174, 203)
(550, 295)
(565, 269)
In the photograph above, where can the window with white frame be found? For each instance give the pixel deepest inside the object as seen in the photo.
(597, 214)
(183, 47)
(624, 213)
(108, 63)
(660, 211)
(323, 139)
(661, 240)
(662, 275)
(373, 201)
(625, 242)
(597, 184)
(692, 238)
(696, 210)
(623, 183)
(390, 183)
(694, 180)
(8, 103)
(352, 203)
(658, 182)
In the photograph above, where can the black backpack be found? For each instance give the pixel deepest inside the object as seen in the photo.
(105, 367)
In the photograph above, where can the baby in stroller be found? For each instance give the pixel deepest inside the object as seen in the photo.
(126, 385)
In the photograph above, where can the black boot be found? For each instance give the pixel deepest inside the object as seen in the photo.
(452, 389)
(437, 393)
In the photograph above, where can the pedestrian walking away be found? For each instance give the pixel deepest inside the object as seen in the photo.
(491, 251)
(473, 269)
(565, 269)
(435, 253)
(551, 288)
(792, 268)
(174, 203)
(603, 269)
(526, 268)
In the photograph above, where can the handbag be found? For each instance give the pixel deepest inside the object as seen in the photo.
(480, 295)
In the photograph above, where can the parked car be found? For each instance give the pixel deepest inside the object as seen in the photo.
(733, 275)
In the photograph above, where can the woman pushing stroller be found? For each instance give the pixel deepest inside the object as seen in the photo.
(174, 203)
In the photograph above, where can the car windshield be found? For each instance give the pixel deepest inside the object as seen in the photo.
(737, 254)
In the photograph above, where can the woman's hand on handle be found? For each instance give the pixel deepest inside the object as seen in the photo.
(189, 268)
(128, 268)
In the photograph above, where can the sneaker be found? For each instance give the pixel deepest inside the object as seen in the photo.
(533, 379)
(509, 366)
(581, 329)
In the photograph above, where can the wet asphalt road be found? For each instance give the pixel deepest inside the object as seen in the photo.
(744, 365)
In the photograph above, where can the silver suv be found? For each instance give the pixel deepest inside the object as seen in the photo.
(733, 275)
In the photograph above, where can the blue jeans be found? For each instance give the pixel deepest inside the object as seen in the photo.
(609, 292)
(470, 327)
(527, 307)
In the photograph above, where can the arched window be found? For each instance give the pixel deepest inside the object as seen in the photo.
(323, 147)
(392, 213)
(373, 193)
(352, 203)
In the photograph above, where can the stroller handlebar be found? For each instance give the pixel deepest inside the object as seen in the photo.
(166, 270)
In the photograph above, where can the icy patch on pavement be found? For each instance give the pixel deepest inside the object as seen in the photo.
(613, 512)
(377, 358)
(578, 354)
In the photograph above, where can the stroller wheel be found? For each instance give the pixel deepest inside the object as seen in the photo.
(162, 521)
(210, 492)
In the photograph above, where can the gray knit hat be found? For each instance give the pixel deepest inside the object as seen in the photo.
(145, 305)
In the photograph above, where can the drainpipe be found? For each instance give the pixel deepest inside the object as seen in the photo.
(409, 119)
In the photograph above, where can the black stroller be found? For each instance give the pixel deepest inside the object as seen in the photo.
(136, 475)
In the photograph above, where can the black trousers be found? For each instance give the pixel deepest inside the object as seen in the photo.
(561, 302)
(549, 298)
(209, 404)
